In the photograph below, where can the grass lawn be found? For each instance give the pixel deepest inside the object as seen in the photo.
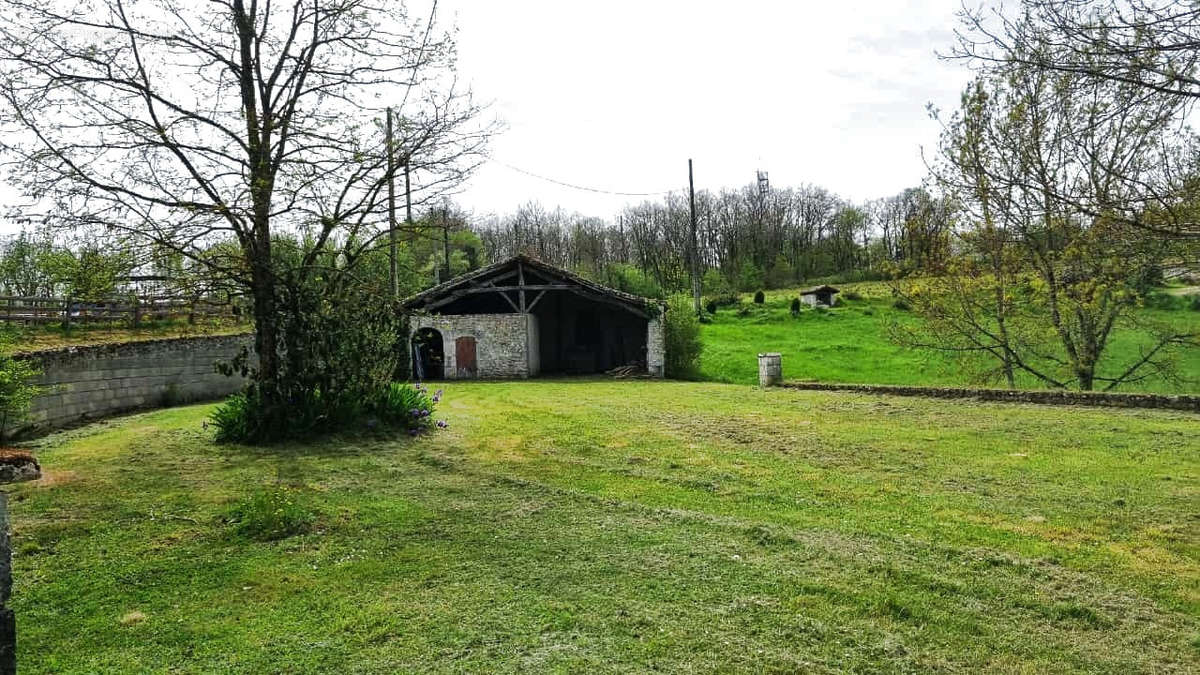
(601, 526)
(850, 344)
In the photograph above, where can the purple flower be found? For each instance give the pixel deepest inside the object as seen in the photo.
(416, 412)
(438, 393)
(442, 424)
(436, 398)
(412, 432)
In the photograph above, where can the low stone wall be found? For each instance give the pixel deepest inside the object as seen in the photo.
(1056, 397)
(90, 382)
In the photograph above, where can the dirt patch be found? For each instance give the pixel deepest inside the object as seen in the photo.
(56, 478)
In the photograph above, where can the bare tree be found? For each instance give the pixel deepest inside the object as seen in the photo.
(1150, 48)
(1048, 264)
(189, 123)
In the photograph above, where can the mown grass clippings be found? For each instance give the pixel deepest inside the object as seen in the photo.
(894, 535)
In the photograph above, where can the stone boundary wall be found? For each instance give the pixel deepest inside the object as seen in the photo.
(1057, 397)
(90, 382)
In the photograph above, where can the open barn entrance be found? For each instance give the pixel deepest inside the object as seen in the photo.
(429, 357)
(579, 336)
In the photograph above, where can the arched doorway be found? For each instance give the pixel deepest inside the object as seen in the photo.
(428, 356)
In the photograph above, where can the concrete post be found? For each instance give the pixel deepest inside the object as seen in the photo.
(770, 369)
(8, 624)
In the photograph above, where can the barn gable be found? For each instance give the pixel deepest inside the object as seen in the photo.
(522, 317)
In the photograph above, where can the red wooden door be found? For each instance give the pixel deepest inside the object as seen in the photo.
(464, 357)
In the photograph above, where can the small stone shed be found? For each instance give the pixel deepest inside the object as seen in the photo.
(819, 295)
(522, 318)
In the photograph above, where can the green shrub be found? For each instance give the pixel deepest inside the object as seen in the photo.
(852, 295)
(749, 276)
(393, 406)
(1194, 303)
(868, 311)
(235, 419)
(711, 307)
(901, 304)
(270, 515)
(795, 306)
(849, 277)
(1160, 300)
(630, 279)
(713, 283)
(681, 333)
(759, 297)
(401, 405)
(725, 299)
(743, 310)
(16, 392)
(336, 348)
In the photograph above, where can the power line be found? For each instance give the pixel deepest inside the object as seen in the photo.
(579, 187)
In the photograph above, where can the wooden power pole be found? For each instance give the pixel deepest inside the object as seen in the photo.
(408, 198)
(391, 191)
(446, 240)
(695, 243)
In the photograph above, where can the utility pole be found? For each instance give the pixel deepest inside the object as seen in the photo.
(446, 239)
(408, 199)
(391, 171)
(695, 243)
(621, 238)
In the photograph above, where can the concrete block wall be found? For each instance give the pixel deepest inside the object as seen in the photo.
(91, 382)
(502, 342)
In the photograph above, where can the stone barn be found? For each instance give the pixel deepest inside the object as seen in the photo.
(819, 296)
(522, 318)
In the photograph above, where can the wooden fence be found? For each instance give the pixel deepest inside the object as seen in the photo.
(127, 310)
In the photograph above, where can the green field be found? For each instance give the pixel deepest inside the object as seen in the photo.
(850, 343)
(594, 525)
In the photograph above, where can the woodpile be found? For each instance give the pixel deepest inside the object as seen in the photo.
(627, 371)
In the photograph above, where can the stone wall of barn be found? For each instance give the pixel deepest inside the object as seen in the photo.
(90, 382)
(656, 352)
(502, 342)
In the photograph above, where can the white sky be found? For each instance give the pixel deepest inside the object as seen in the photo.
(619, 94)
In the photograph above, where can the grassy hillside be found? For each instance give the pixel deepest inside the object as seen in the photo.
(713, 528)
(850, 344)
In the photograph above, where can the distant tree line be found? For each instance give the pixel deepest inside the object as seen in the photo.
(33, 264)
(747, 238)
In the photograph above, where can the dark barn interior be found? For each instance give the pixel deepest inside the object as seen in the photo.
(580, 336)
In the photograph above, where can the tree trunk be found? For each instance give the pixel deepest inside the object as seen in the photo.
(266, 327)
(1086, 377)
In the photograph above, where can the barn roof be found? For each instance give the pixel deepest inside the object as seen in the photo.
(819, 289)
(483, 280)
